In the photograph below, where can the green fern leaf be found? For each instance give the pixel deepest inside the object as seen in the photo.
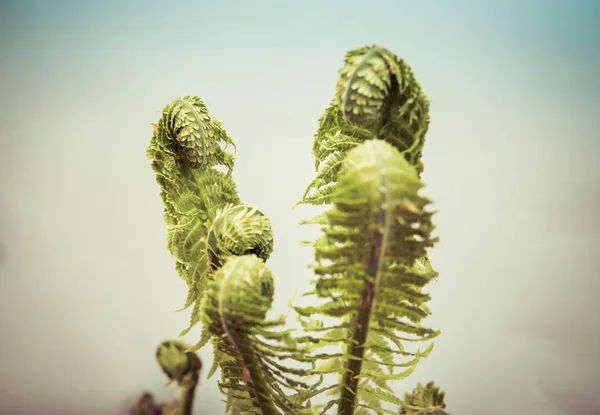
(377, 97)
(248, 347)
(185, 151)
(239, 230)
(424, 400)
(370, 274)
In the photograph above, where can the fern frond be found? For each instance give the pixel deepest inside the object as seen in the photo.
(239, 230)
(424, 400)
(377, 97)
(182, 367)
(249, 347)
(179, 364)
(234, 230)
(185, 151)
(187, 130)
(370, 276)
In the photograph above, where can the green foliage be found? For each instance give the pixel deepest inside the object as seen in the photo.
(198, 198)
(377, 96)
(370, 277)
(371, 260)
(248, 347)
(239, 230)
(177, 363)
(424, 400)
(182, 367)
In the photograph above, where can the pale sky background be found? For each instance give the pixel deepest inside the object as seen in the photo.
(88, 288)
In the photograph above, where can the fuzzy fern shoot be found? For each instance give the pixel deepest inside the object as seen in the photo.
(370, 276)
(377, 96)
(247, 346)
(198, 198)
(363, 327)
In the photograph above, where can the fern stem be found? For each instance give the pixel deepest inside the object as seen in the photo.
(188, 392)
(255, 382)
(357, 349)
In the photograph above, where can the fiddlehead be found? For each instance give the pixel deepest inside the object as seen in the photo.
(377, 97)
(182, 367)
(239, 230)
(370, 279)
(248, 348)
(185, 154)
(187, 130)
(236, 230)
(424, 400)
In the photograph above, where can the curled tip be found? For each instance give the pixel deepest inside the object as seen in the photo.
(239, 230)
(246, 288)
(179, 365)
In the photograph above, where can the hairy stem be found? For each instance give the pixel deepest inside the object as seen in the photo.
(357, 349)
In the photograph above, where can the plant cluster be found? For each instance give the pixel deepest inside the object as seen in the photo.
(371, 260)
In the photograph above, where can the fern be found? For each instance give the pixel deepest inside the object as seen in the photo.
(377, 96)
(239, 230)
(182, 367)
(248, 347)
(424, 400)
(370, 277)
(371, 260)
(199, 199)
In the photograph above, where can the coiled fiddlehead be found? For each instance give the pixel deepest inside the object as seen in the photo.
(377, 97)
(247, 347)
(370, 278)
(236, 230)
(239, 230)
(186, 153)
(188, 131)
(181, 367)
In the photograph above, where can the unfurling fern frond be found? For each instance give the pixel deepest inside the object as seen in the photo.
(186, 129)
(239, 230)
(235, 230)
(424, 400)
(370, 278)
(377, 97)
(248, 347)
(177, 363)
(183, 368)
(185, 152)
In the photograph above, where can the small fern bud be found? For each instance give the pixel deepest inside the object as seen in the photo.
(429, 399)
(242, 290)
(145, 405)
(239, 230)
(247, 345)
(180, 366)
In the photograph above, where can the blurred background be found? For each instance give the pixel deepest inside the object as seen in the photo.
(88, 288)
